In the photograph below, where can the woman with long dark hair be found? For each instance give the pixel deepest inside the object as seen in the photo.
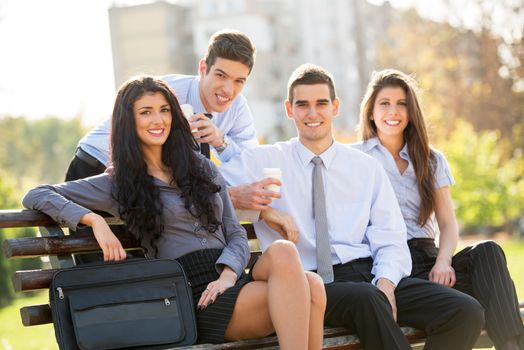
(176, 203)
(393, 130)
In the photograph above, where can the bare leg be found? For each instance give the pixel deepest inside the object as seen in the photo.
(280, 281)
(318, 307)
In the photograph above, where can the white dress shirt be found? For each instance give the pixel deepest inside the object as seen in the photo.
(364, 219)
(236, 122)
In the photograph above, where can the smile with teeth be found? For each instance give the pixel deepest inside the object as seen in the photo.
(222, 99)
(156, 131)
(313, 124)
(392, 122)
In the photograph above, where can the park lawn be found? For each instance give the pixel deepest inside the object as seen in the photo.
(14, 336)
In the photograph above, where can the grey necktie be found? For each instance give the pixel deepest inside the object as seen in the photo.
(324, 264)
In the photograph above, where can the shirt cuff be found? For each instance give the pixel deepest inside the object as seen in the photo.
(390, 273)
(233, 262)
(230, 151)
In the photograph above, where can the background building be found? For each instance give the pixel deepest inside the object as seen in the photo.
(162, 38)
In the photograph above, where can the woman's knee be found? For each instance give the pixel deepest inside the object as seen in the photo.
(317, 290)
(283, 255)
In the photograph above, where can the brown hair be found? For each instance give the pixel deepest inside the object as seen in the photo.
(420, 153)
(310, 74)
(231, 45)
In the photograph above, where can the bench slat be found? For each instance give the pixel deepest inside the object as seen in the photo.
(27, 280)
(34, 315)
(42, 246)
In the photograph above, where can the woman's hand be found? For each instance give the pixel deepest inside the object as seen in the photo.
(281, 222)
(214, 289)
(443, 273)
(108, 242)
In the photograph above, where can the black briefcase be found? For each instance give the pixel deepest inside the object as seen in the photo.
(139, 304)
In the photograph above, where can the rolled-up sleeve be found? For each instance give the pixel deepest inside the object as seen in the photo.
(242, 135)
(68, 202)
(443, 175)
(386, 232)
(236, 252)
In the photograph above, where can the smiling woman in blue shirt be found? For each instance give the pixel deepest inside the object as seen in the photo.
(393, 130)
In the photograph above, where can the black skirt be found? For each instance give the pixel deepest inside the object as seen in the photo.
(200, 270)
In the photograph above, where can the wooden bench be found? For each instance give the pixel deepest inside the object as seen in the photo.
(59, 247)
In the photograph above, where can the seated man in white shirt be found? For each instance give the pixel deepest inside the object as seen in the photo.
(345, 208)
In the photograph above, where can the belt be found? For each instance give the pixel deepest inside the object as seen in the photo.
(89, 159)
(421, 242)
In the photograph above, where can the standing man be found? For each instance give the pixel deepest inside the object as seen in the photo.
(223, 72)
(339, 208)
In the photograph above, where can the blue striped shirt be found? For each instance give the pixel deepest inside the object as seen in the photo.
(405, 184)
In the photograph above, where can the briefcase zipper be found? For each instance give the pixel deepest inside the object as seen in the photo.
(131, 280)
(167, 302)
(60, 292)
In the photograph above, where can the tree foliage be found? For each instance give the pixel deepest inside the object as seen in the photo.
(489, 190)
(31, 152)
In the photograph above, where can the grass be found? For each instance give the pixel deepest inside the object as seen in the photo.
(14, 336)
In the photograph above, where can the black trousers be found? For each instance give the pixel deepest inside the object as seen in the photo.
(481, 271)
(451, 320)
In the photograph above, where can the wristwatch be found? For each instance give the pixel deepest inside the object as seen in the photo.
(224, 145)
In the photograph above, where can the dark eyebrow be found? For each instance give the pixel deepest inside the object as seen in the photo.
(145, 107)
(221, 71)
(300, 101)
(227, 75)
(323, 100)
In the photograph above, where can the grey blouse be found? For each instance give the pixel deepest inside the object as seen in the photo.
(405, 185)
(68, 202)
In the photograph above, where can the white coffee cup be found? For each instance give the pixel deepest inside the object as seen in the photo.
(274, 173)
(188, 111)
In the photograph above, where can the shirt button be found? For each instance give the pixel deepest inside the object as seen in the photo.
(204, 240)
(196, 224)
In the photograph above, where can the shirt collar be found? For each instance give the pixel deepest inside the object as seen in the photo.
(404, 152)
(194, 96)
(305, 155)
(374, 142)
(369, 144)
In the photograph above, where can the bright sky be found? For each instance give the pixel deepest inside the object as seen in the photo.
(55, 59)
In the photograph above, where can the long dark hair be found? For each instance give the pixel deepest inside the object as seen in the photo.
(420, 153)
(132, 186)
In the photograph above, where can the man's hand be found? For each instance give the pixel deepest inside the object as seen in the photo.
(281, 222)
(253, 196)
(387, 287)
(443, 273)
(207, 130)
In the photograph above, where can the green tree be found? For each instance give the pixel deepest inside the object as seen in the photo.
(489, 190)
(7, 200)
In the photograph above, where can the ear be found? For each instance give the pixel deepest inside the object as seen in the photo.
(336, 106)
(289, 110)
(202, 67)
